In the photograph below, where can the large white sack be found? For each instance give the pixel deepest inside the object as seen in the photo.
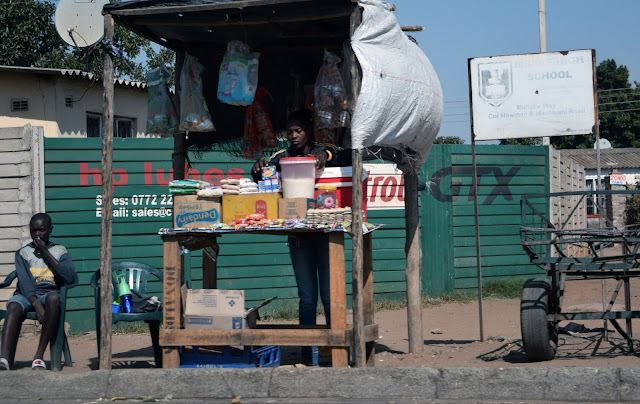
(400, 101)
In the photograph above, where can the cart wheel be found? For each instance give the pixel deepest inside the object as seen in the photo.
(539, 336)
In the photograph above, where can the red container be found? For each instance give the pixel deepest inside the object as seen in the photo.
(341, 178)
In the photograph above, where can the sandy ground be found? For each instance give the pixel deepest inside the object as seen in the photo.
(451, 336)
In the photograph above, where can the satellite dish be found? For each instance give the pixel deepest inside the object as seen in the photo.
(80, 22)
(604, 144)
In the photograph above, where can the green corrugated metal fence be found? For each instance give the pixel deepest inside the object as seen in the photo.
(448, 220)
(141, 167)
(261, 264)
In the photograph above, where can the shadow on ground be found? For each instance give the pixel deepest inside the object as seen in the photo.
(575, 346)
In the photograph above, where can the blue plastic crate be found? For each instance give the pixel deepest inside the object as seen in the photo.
(267, 356)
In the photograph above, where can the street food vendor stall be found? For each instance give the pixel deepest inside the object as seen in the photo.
(241, 68)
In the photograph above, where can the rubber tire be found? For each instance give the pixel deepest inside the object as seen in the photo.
(539, 336)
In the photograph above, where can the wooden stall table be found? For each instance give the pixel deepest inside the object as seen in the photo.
(337, 335)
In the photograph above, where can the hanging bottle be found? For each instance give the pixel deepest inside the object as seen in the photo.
(345, 117)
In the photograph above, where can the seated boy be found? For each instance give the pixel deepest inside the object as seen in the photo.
(42, 268)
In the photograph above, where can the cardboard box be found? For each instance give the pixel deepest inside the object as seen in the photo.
(193, 211)
(218, 309)
(239, 206)
(294, 208)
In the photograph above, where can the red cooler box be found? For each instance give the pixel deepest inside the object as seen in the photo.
(341, 178)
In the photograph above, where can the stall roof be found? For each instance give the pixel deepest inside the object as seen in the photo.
(195, 25)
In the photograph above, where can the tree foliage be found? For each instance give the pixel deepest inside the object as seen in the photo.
(525, 141)
(28, 37)
(632, 211)
(618, 110)
(449, 140)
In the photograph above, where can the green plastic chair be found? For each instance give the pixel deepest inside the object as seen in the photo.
(59, 344)
(137, 275)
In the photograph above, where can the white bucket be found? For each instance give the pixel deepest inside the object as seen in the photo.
(298, 177)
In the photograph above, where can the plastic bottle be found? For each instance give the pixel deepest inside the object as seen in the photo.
(345, 117)
(125, 294)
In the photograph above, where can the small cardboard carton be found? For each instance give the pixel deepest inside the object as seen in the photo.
(294, 208)
(218, 309)
(239, 206)
(193, 211)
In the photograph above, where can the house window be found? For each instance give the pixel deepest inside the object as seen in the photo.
(123, 127)
(94, 125)
(68, 101)
(21, 104)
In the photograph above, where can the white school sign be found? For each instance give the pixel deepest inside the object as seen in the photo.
(534, 95)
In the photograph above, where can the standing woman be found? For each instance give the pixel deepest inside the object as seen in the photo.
(309, 251)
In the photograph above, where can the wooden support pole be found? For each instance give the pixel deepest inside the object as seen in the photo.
(172, 310)
(106, 289)
(338, 294)
(367, 292)
(357, 284)
(179, 139)
(414, 262)
(357, 263)
(474, 189)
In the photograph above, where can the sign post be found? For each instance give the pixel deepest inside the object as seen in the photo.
(532, 95)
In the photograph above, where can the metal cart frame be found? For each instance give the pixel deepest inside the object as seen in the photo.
(553, 246)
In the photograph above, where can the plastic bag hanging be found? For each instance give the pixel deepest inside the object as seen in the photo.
(258, 130)
(238, 78)
(161, 111)
(194, 114)
(329, 93)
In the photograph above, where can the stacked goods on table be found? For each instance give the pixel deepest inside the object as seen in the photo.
(240, 203)
(235, 186)
(196, 203)
(270, 181)
(328, 216)
(194, 187)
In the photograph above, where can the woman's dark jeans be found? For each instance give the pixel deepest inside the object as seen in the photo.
(310, 259)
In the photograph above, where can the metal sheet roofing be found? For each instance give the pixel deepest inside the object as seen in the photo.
(69, 72)
(609, 158)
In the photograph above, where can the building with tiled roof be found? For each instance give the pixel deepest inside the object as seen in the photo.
(625, 161)
(68, 103)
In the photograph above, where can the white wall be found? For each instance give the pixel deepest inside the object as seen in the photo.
(46, 95)
(21, 191)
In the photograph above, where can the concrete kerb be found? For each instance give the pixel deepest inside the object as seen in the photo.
(571, 384)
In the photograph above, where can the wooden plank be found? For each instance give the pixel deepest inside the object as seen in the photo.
(11, 183)
(15, 170)
(199, 7)
(368, 301)
(210, 267)
(15, 157)
(338, 294)
(172, 309)
(333, 337)
(414, 263)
